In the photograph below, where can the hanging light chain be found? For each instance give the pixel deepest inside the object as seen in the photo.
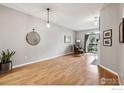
(48, 15)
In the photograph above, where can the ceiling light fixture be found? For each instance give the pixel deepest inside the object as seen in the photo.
(96, 20)
(48, 22)
(97, 32)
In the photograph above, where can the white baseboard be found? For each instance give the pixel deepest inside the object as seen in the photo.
(115, 73)
(40, 60)
(119, 79)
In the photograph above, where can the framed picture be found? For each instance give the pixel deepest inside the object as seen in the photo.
(107, 42)
(121, 31)
(67, 39)
(107, 33)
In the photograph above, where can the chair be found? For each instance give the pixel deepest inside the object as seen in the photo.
(78, 50)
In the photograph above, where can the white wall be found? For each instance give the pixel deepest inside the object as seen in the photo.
(110, 18)
(121, 59)
(80, 35)
(15, 25)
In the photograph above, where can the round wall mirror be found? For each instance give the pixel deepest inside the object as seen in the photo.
(33, 38)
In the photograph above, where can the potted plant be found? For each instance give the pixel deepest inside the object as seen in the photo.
(5, 60)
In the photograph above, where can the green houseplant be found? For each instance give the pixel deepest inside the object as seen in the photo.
(5, 60)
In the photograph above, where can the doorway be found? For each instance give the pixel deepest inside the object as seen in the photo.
(91, 42)
(91, 46)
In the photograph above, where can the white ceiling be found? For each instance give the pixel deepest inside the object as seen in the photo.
(75, 16)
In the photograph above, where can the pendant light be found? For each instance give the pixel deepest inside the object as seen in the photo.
(48, 22)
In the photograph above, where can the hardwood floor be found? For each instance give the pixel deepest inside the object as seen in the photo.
(66, 70)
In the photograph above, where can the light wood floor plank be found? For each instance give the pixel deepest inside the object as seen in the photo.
(66, 70)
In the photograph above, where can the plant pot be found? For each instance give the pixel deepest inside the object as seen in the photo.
(4, 67)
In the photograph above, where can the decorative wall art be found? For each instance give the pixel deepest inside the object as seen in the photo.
(107, 42)
(33, 38)
(107, 37)
(107, 33)
(67, 39)
(121, 31)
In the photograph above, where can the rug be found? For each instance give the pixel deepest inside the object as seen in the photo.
(94, 62)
